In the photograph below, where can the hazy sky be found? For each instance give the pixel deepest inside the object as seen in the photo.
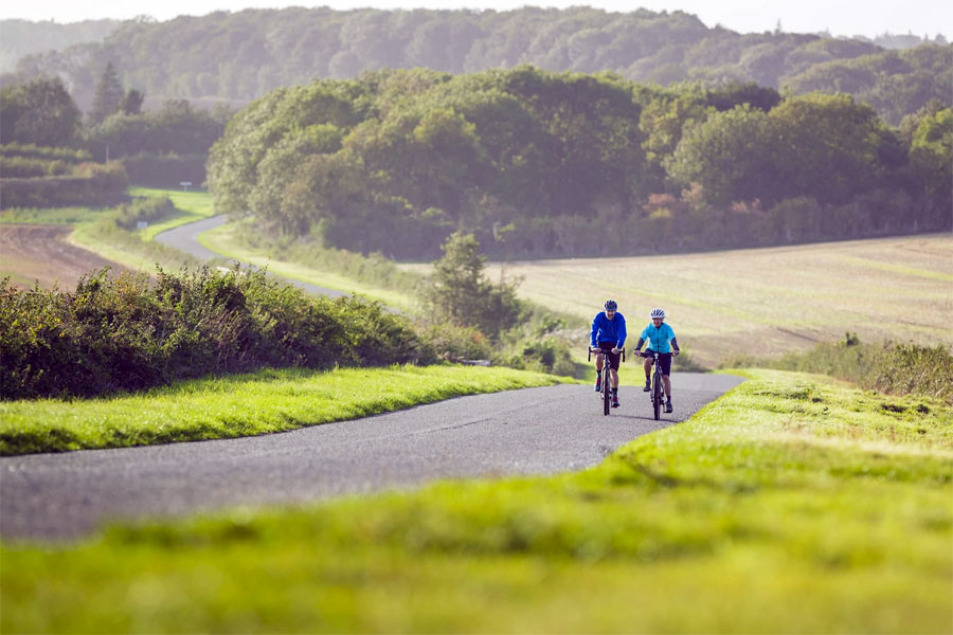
(840, 17)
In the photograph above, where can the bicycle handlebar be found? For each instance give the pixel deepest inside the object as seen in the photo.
(599, 351)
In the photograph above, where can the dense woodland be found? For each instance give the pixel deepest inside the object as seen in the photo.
(238, 57)
(600, 159)
(540, 164)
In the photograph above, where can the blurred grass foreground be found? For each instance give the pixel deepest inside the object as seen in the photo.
(795, 503)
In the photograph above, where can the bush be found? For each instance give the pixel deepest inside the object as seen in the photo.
(145, 210)
(133, 332)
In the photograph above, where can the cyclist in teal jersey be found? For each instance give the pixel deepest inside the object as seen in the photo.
(606, 339)
(662, 346)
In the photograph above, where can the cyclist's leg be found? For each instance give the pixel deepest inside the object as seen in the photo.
(648, 373)
(613, 360)
(666, 362)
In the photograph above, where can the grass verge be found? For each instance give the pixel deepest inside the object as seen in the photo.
(240, 405)
(192, 207)
(794, 504)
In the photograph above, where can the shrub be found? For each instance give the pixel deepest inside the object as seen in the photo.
(133, 332)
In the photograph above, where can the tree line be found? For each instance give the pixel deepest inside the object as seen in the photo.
(239, 57)
(160, 147)
(539, 164)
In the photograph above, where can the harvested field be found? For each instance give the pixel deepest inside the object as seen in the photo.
(763, 302)
(32, 254)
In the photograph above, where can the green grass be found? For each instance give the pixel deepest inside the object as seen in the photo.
(793, 504)
(240, 405)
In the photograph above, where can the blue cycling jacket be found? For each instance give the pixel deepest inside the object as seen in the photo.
(606, 330)
(659, 338)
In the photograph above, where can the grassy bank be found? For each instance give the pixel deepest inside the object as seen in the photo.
(794, 504)
(240, 405)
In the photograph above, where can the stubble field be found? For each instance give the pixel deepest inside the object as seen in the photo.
(763, 302)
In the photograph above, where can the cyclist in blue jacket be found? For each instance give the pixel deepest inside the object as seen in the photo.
(607, 339)
(662, 345)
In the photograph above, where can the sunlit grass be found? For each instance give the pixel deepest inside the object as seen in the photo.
(240, 405)
(793, 504)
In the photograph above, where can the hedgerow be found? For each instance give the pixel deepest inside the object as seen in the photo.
(133, 332)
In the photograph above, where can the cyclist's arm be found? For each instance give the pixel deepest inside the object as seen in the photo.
(638, 346)
(594, 330)
(675, 345)
(620, 334)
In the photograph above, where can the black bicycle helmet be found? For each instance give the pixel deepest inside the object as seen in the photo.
(611, 305)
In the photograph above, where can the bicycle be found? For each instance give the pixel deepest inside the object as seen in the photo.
(606, 379)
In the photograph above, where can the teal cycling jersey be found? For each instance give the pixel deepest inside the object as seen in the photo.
(659, 338)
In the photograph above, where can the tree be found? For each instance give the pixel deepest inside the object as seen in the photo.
(460, 293)
(132, 102)
(826, 147)
(109, 95)
(41, 112)
(728, 155)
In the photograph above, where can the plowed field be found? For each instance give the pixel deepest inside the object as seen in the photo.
(41, 253)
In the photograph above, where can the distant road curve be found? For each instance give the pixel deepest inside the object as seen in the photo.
(532, 431)
(186, 238)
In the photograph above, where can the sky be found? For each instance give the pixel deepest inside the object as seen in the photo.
(838, 17)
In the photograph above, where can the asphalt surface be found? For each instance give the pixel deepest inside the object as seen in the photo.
(185, 238)
(533, 431)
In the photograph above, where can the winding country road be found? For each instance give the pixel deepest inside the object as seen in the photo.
(532, 431)
(186, 238)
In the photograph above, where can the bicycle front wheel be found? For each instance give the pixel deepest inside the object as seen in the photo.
(657, 397)
(606, 394)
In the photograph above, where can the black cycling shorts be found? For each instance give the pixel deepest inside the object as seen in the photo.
(664, 360)
(613, 357)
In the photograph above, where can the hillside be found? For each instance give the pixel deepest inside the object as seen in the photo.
(238, 57)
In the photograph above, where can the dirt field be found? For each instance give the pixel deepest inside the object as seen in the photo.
(40, 253)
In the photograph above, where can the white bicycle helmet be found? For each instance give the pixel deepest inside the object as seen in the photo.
(657, 313)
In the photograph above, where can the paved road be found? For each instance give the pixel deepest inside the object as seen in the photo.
(185, 238)
(533, 431)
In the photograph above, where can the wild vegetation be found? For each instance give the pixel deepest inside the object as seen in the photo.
(129, 333)
(541, 164)
(794, 491)
(888, 368)
(241, 56)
